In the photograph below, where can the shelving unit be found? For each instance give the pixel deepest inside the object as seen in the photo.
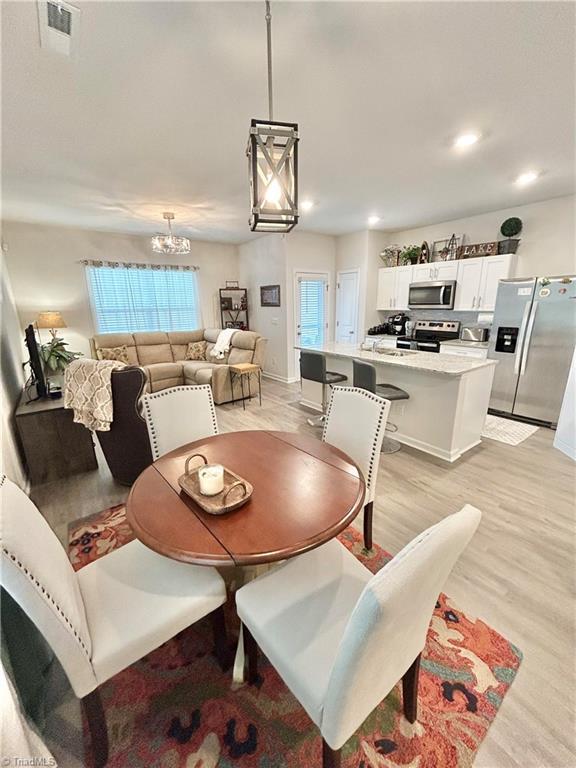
(234, 308)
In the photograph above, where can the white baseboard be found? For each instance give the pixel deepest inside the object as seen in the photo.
(312, 405)
(276, 377)
(568, 450)
(420, 445)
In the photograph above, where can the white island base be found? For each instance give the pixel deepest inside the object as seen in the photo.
(448, 402)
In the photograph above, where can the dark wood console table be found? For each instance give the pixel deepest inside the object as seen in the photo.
(54, 446)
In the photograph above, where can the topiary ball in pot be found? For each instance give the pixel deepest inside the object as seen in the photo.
(510, 228)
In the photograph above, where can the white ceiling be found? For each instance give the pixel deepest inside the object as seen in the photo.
(153, 112)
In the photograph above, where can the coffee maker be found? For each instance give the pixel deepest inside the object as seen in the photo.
(397, 324)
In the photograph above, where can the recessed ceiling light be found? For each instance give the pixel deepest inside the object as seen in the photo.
(466, 140)
(526, 178)
(306, 205)
(373, 220)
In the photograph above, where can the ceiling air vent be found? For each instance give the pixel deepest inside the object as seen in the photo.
(59, 18)
(58, 22)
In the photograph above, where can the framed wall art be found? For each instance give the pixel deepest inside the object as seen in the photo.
(269, 295)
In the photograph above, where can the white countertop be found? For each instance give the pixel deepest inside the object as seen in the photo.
(451, 365)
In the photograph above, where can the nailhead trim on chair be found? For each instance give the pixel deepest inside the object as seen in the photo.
(163, 393)
(369, 396)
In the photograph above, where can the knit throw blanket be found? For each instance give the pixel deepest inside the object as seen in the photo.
(222, 346)
(88, 391)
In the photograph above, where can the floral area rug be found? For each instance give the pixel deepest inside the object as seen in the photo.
(176, 709)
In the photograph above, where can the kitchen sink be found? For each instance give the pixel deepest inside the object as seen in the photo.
(396, 352)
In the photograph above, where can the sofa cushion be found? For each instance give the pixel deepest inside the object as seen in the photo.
(204, 376)
(114, 353)
(196, 350)
(245, 339)
(179, 341)
(211, 334)
(112, 340)
(240, 356)
(160, 371)
(153, 347)
(191, 367)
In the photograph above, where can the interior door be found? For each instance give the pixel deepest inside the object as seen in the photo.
(347, 307)
(468, 288)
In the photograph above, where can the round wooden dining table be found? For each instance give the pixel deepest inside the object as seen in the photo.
(305, 493)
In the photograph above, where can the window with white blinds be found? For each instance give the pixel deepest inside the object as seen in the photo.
(127, 298)
(312, 307)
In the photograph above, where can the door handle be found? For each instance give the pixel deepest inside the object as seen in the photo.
(520, 341)
(528, 338)
(479, 301)
(473, 302)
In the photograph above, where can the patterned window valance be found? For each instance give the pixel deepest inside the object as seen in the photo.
(140, 265)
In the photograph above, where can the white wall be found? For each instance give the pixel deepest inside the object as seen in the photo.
(547, 247)
(12, 379)
(45, 274)
(263, 262)
(275, 260)
(307, 252)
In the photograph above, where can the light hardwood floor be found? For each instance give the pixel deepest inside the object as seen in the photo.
(517, 574)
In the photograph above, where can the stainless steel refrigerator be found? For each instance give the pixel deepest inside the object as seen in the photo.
(533, 337)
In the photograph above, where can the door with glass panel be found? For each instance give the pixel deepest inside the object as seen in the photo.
(311, 311)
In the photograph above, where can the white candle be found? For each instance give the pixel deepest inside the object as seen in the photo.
(211, 479)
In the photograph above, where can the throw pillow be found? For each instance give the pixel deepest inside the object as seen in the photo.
(196, 350)
(114, 353)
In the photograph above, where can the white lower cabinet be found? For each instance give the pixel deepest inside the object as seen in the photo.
(478, 281)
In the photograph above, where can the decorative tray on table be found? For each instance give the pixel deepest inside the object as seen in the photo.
(235, 493)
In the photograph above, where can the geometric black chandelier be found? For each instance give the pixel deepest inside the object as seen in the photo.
(273, 164)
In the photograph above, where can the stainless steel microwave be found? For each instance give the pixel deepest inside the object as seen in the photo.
(436, 295)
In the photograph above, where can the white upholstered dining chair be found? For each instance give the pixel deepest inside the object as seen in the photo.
(110, 613)
(355, 423)
(340, 637)
(178, 416)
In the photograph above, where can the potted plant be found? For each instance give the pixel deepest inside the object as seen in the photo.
(410, 254)
(510, 228)
(56, 357)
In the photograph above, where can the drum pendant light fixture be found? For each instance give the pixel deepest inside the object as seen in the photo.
(273, 164)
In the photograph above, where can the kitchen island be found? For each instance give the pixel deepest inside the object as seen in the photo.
(449, 394)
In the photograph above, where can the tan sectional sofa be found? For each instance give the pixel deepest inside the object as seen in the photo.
(162, 356)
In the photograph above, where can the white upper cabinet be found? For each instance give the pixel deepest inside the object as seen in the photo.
(478, 281)
(495, 268)
(403, 279)
(445, 270)
(438, 270)
(468, 287)
(386, 286)
(393, 285)
(422, 273)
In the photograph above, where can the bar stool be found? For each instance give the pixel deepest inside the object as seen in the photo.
(313, 368)
(365, 378)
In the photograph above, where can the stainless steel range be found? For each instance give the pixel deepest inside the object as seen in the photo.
(428, 334)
